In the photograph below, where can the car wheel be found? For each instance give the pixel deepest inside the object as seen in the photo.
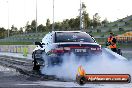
(81, 80)
(119, 51)
(36, 68)
(36, 65)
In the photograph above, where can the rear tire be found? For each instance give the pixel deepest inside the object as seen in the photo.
(119, 51)
(36, 65)
(36, 68)
(81, 80)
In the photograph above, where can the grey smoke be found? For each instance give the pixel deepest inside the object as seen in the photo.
(103, 64)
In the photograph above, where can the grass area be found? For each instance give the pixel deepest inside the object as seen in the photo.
(30, 35)
(107, 33)
(16, 43)
(23, 39)
(27, 37)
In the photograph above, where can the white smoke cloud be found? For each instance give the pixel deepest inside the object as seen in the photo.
(103, 64)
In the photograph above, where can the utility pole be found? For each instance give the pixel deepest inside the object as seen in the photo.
(53, 17)
(36, 17)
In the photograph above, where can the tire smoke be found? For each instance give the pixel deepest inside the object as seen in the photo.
(102, 64)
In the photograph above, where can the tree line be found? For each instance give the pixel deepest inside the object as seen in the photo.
(65, 25)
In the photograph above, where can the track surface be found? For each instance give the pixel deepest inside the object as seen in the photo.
(17, 73)
(24, 66)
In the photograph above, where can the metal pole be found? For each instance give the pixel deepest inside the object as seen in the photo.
(81, 15)
(36, 17)
(53, 17)
(8, 20)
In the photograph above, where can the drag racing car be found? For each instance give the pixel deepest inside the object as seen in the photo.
(58, 43)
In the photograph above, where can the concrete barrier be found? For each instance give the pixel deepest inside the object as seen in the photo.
(25, 49)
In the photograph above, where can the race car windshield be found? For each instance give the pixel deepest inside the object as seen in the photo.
(73, 37)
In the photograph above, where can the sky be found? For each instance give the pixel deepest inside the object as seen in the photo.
(21, 11)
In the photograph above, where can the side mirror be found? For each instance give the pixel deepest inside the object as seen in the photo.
(43, 43)
(37, 43)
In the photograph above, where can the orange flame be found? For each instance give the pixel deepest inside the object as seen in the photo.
(81, 71)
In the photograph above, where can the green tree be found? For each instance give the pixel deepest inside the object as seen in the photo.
(33, 26)
(48, 25)
(27, 27)
(21, 30)
(65, 24)
(13, 30)
(58, 26)
(86, 19)
(105, 21)
(76, 23)
(96, 20)
(41, 28)
(2, 32)
(71, 23)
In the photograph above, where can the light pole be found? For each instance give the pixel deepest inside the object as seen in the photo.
(53, 17)
(81, 22)
(36, 17)
(8, 19)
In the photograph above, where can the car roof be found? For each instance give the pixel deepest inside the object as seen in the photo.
(68, 31)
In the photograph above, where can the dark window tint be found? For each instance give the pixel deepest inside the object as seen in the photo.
(73, 37)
